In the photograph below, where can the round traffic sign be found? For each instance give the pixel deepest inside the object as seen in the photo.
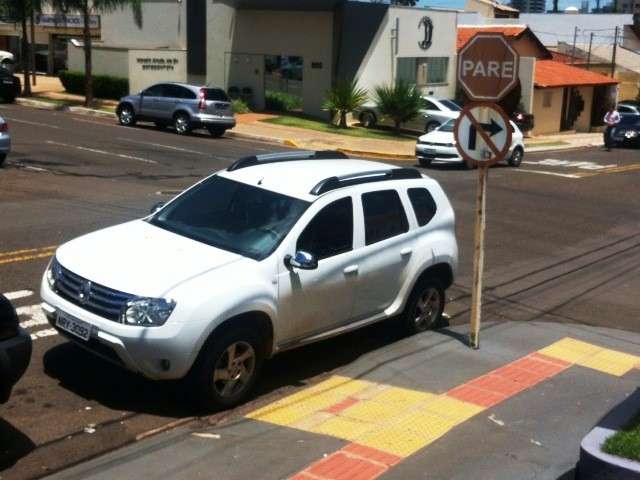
(482, 133)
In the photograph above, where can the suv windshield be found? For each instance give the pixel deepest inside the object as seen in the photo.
(232, 216)
(447, 127)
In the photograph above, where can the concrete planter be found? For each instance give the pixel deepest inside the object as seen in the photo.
(594, 464)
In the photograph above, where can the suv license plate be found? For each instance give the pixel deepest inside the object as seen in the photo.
(74, 326)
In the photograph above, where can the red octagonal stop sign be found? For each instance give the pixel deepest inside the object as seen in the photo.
(488, 67)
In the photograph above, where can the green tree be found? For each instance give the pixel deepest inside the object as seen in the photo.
(400, 102)
(94, 7)
(21, 11)
(342, 98)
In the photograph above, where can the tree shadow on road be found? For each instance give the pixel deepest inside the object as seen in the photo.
(13, 445)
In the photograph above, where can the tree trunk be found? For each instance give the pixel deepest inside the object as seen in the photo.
(343, 119)
(32, 51)
(397, 127)
(26, 56)
(88, 70)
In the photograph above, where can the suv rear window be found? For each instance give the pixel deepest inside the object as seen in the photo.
(423, 204)
(215, 94)
(384, 215)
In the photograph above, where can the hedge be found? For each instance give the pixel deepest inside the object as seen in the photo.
(281, 101)
(104, 86)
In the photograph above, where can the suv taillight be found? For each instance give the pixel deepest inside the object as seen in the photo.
(202, 96)
(4, 127)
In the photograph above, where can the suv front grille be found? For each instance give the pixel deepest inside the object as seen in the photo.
(95, 298)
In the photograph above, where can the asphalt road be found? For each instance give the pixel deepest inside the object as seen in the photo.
(562, 239)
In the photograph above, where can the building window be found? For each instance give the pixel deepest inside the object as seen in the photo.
(423, 71)
(547, 99)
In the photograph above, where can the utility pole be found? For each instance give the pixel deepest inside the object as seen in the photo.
(589, 53)
(33, 45)
(575, 37)
(613, 55)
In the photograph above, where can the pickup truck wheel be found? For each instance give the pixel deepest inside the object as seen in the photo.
(227, 368)
(425, 306)
(182, 123)
(126, 116)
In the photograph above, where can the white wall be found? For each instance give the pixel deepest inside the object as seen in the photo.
(254, 33)
(105, 61)
(164, 25)
(379, 65)
(147, 67)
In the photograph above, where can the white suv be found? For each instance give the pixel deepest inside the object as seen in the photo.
(274, 252)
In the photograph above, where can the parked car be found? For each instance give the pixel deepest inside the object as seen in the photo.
(15, 349)
(524, 120)
(434, 113)
(186, 107)
(5, 140)
(244, 265)
(627, 132)
(9, 85)
(440, 146)
(629, 107)
(6, 59)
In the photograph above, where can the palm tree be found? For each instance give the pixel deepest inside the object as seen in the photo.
(344, 97)
(400, 102)
(22, 11)
(88, 8)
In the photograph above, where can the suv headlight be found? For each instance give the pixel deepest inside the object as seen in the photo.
(53, 272)
(147, 312)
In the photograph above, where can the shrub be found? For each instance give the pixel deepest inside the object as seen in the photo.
(239, 106)
(400, 102)
(104, 86)
(281, 101)
(343, 98)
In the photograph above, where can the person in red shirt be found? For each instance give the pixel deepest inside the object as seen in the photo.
(611, 119)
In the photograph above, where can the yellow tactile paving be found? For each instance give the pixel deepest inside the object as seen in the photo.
(311, 421)
(452, 408)
(338, 386)
(371, 411)
(403, 396)
(610, 361)
(570, 350)
(345, 428)
(402, 441)
(425, 424)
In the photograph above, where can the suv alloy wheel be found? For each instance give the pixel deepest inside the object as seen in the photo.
(126, 116)
(182, 123)
(425, 306)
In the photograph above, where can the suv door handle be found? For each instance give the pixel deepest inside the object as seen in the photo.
(406, 251)
(351, 269)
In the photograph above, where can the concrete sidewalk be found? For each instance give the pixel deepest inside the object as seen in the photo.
(426, 406)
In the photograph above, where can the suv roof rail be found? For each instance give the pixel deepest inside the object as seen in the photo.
(286, 157)
(333, 183)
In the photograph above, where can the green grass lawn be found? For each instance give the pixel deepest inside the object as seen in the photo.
(317, 125)
(625, 443)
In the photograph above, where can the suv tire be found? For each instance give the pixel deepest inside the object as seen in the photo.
(246, 349)
(216, 132)
(126, 116)
(425, 306)
(182, 123)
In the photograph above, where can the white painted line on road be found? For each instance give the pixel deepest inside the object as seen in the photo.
(37, 318)
(552, 162)
(102, 152)
(44, 333)
(18, 294)
(37, 124)
(170, 147)
(542, 172)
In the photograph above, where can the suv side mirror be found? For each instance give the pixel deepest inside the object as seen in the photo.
(156, 207)
(302, 260)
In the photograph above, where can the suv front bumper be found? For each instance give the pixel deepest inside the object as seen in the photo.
(159, 353)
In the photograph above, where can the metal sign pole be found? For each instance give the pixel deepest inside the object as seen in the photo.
(478, 258)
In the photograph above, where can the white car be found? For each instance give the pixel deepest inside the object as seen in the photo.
(274, 252)
(439, 146)
(434, 112)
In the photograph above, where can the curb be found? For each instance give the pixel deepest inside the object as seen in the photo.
(29, 102)
(262, 138)
(91, 111)
(594, 464)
